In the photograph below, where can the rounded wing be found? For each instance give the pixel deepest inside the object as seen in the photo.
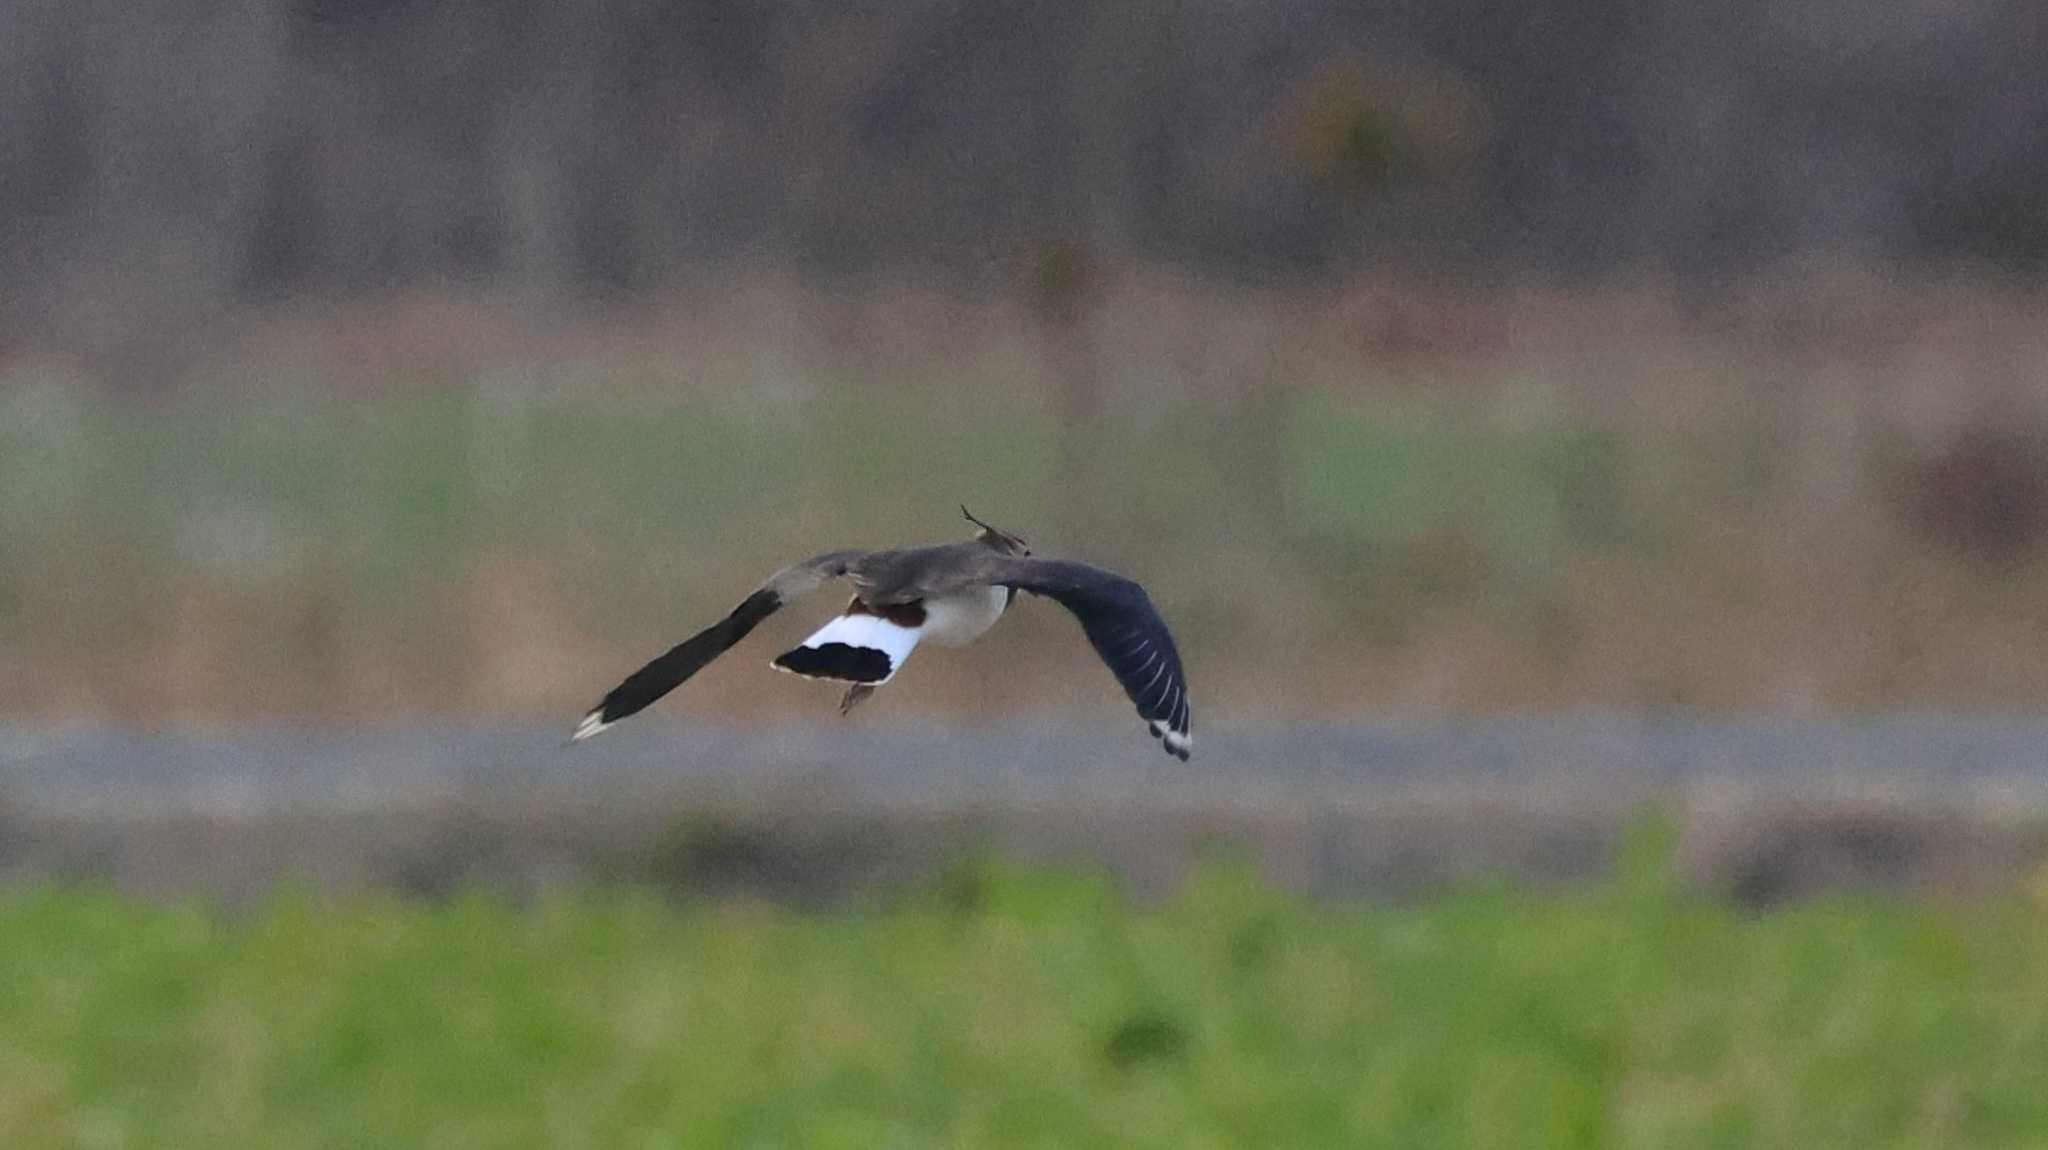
(1125, 629)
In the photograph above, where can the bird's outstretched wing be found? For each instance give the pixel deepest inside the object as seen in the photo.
(1125, 629)
(672, 668)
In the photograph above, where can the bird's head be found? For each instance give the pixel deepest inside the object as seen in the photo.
(996, 539)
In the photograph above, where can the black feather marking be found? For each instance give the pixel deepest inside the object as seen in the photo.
(671, 669)
(841, 661)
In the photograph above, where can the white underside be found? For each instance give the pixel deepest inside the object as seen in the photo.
(874, 633)
(958, 620)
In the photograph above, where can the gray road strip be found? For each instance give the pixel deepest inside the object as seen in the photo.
(1768, 808)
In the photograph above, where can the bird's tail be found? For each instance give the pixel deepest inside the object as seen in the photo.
(857, 647)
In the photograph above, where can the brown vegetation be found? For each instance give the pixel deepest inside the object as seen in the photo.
(1558, 499)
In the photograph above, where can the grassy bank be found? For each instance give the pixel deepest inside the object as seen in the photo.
(1006, 1008)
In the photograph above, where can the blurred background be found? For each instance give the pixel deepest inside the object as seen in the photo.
(362, 361)
(1558, 432)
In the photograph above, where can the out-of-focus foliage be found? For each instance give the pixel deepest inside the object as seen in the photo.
(1462, 354)
(1018, 1009)
(159, 168)
(1377, 500)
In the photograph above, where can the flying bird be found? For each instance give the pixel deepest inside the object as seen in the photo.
(948, 595)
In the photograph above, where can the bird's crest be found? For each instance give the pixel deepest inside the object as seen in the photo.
(995, 537)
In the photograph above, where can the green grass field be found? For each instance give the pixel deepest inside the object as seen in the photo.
(1013, 1008)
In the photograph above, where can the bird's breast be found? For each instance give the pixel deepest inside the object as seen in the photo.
(954, 620)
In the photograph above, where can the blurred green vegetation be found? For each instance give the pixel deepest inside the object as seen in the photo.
(1373, 501)
(1018, 1008)
(290, 530)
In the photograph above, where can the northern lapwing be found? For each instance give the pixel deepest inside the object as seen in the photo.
(947, 594)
